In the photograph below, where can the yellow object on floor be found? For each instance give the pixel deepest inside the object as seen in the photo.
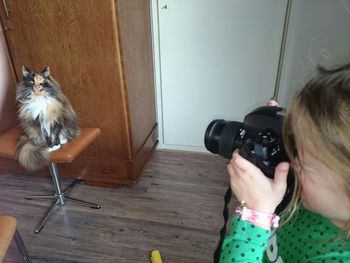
(155, 257)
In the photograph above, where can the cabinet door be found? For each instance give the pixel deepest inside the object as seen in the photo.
(218, 59)
(7, 88)
(78, 40)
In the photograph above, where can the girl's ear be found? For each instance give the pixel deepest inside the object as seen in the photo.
(25, 71)
(45, 72)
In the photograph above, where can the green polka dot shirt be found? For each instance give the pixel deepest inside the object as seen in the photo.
(307, 238)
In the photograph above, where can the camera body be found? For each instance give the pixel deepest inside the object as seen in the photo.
(259, 140)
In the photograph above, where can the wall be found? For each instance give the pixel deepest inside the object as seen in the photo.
(319, 33)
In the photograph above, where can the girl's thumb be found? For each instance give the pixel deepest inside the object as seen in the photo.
(281, 173)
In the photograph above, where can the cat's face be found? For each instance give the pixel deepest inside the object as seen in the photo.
(38, 84)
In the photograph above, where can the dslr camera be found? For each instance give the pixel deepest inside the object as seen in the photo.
(259, 140)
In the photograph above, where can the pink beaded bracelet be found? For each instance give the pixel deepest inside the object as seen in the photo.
(255, 217)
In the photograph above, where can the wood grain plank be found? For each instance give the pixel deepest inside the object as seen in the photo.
(175, 207)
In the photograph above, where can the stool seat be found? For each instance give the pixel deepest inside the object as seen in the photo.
(8, 232)
(8, 225)
(66, 154)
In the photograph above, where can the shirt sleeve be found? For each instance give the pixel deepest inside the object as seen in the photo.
(245, 243)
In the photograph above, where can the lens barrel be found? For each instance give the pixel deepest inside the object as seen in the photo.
(221, 137)
(212, 135)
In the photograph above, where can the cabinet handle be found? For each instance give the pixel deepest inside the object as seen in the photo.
(107, 171)
(7, 11)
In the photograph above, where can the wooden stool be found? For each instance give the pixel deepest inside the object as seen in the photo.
(8, 231)
(66, 154)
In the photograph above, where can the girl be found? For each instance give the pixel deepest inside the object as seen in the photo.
(316, 224)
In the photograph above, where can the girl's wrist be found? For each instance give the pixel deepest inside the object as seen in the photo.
(264, 220)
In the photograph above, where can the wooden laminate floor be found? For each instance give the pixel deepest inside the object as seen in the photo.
(176, 207)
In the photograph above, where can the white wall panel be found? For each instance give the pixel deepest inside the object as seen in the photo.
(319, 33)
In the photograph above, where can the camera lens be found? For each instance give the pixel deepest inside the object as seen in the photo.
(220, 137)
(212, 135)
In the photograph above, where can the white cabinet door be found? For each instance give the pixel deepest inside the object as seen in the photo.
(217, 59)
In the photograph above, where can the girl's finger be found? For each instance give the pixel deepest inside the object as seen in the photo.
(242, 163)
(233, 163)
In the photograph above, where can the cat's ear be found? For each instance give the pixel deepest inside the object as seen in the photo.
(45, 72)
(25, 71)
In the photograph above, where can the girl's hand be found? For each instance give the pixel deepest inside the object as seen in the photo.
(249, 184)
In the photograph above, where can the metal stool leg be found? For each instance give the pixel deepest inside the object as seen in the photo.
(69, 187)
(59, 197)
(92, 205)
(22, 248)
(46, 216)
(56, 181)
(31, 197)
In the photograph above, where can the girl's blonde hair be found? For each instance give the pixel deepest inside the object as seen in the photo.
(318, 119)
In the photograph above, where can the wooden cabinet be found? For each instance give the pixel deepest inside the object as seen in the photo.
(100, 52)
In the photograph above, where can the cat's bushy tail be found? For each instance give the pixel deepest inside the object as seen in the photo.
(30, 156)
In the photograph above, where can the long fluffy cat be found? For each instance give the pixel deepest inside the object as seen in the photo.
(46, 117)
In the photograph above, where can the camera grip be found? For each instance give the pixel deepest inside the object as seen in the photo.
(247, 154)
(244, 152)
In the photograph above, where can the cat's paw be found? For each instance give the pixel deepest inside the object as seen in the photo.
(63, 139)
(54, 148)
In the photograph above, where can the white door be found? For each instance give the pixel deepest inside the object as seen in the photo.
(217, 59)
